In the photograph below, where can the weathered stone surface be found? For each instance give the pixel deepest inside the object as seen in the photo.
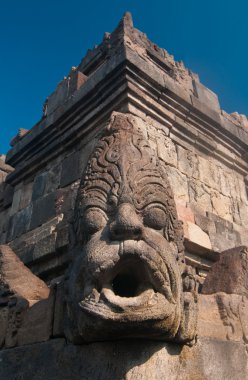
(206, 96)
(70, 169)
(210, 324)
(178, 183)
(19, 223)
(53, 178)
(124, 228)
(229, 274)
(106, 295)
(167, 151)
(44, 247)
(187, 162)
(8, 194)
(184, 211)
(16, 202)
(39, 186)
(4, 312)
(196, 238)
(200, 196)
(26, 312)
(31, 324)
(209, 173)
(18, 279)
(59, 310)
(210, 359)
(43, 210)
(26, 195)
(62, 239)
(221, 206)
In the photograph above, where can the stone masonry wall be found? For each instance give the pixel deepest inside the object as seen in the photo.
(208, 176)
(211, 200)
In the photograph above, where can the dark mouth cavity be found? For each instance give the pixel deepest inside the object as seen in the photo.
(125, 285)
(129, 279)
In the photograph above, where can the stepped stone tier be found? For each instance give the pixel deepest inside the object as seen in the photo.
(124, 226)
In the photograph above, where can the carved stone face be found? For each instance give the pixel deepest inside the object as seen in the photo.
(126, 279)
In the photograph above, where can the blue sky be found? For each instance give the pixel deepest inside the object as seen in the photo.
(41, 40)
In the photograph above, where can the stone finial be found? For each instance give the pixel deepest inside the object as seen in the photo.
(127, 19)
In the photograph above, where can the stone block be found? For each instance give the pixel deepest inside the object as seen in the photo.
(62, 235)
(8, 194)
(221, 242)
(206, 96)
(3, 175)
(44, 247)
(76, 80)
(233, 310)
(70, 169)
(19, 223)
(26, 195)
(229, 274)
(24, 245)
(184, 212)
(59, 309)
(18, 280)
(225, 177)
(16, 202)
(179, 183)
(221, 206)
(43, 210)
(53, 178)
(39, 186)
(34, 325)
(205, 224)
(199, 197)
(234, 186)
(155, 127)
(64, 200)
(242, 234)
(196, 238)
(208, 113)
(243, 190)
(57, 98)
(187, 162)
(167, 151)
(210, 324)
(243, 212)
(209, 173)
(3, 323)
(84, 154)
(208, 359)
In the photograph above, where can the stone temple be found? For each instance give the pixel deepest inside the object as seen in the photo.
(124, 226)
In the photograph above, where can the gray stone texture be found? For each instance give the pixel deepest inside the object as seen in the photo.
(210, 359)
(19, 223)
(70, 169)
(204, 152)
(43, 210)
(39, 186)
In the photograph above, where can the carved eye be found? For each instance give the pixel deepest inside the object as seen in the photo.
(94, 219)
(155, 217)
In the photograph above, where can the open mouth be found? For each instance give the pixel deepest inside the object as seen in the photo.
(134, 289)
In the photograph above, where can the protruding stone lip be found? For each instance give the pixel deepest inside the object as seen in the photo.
(153, 299)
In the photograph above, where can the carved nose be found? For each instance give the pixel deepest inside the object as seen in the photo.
(126, 225)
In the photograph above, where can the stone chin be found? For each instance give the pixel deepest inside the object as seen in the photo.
(128, 288)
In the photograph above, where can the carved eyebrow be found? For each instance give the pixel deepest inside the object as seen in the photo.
(142, 197)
